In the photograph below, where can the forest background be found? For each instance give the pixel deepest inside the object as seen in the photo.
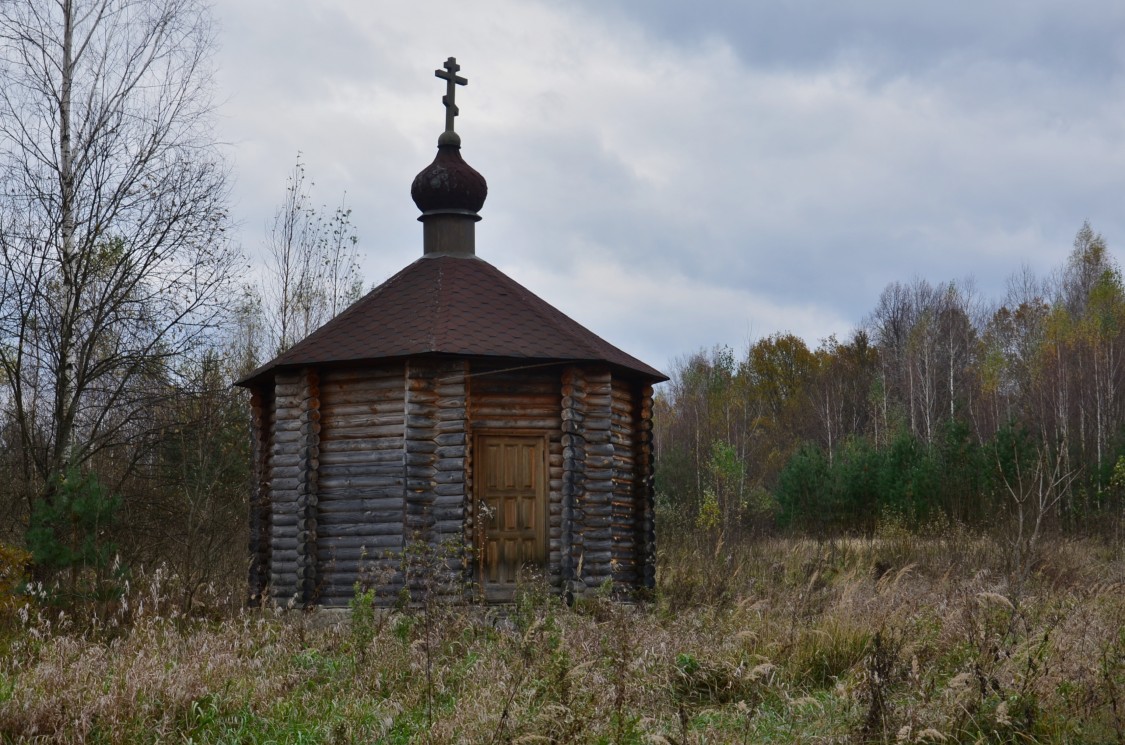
(942, 407)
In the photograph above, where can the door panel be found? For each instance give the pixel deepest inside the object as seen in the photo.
(511, 499)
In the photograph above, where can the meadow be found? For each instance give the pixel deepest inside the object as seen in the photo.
(893, 638)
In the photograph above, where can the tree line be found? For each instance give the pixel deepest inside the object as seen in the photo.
(941, 406)
(124, 311)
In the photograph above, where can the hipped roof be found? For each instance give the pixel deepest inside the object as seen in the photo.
(451, 305)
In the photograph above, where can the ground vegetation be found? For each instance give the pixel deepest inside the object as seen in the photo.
(891, 638)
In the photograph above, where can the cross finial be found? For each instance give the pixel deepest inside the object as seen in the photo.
(452, 80)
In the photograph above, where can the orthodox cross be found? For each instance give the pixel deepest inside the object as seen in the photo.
(452, 80)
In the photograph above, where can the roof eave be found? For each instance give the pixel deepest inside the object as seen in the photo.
(270, 369)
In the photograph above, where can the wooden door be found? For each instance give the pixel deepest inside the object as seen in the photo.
(510, 485)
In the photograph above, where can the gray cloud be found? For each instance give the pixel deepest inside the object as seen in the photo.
(1079, 40)
(676, 177)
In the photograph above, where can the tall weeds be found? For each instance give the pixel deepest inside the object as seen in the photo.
(859, 640)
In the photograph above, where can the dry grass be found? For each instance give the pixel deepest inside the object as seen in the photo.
(895, 639)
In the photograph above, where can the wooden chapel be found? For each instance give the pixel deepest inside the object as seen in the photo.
(450, 406)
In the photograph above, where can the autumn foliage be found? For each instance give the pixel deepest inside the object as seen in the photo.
(932, 409)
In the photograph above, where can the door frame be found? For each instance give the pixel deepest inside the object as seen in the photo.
(542, 527)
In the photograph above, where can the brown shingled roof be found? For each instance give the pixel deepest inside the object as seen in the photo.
(451, 305)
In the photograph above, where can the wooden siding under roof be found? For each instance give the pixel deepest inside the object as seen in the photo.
(357, 464)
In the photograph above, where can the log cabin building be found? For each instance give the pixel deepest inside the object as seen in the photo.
(453, 408)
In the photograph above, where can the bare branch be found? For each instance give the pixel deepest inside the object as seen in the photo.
(112, 218)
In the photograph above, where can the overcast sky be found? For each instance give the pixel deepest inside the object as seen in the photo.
(677, 175)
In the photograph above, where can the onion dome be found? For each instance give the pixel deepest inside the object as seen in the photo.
(449, 184)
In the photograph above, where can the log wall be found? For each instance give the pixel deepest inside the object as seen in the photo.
(354, 465)
(596, 500)
(261, 430)
(307, 498)
(626, 497)
(646, 492)
(435, 453)
(607, 482)
(290, 488)
(574, 480)
(361, 482)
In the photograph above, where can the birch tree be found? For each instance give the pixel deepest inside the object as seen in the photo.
(889, 326)
(113, 255)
